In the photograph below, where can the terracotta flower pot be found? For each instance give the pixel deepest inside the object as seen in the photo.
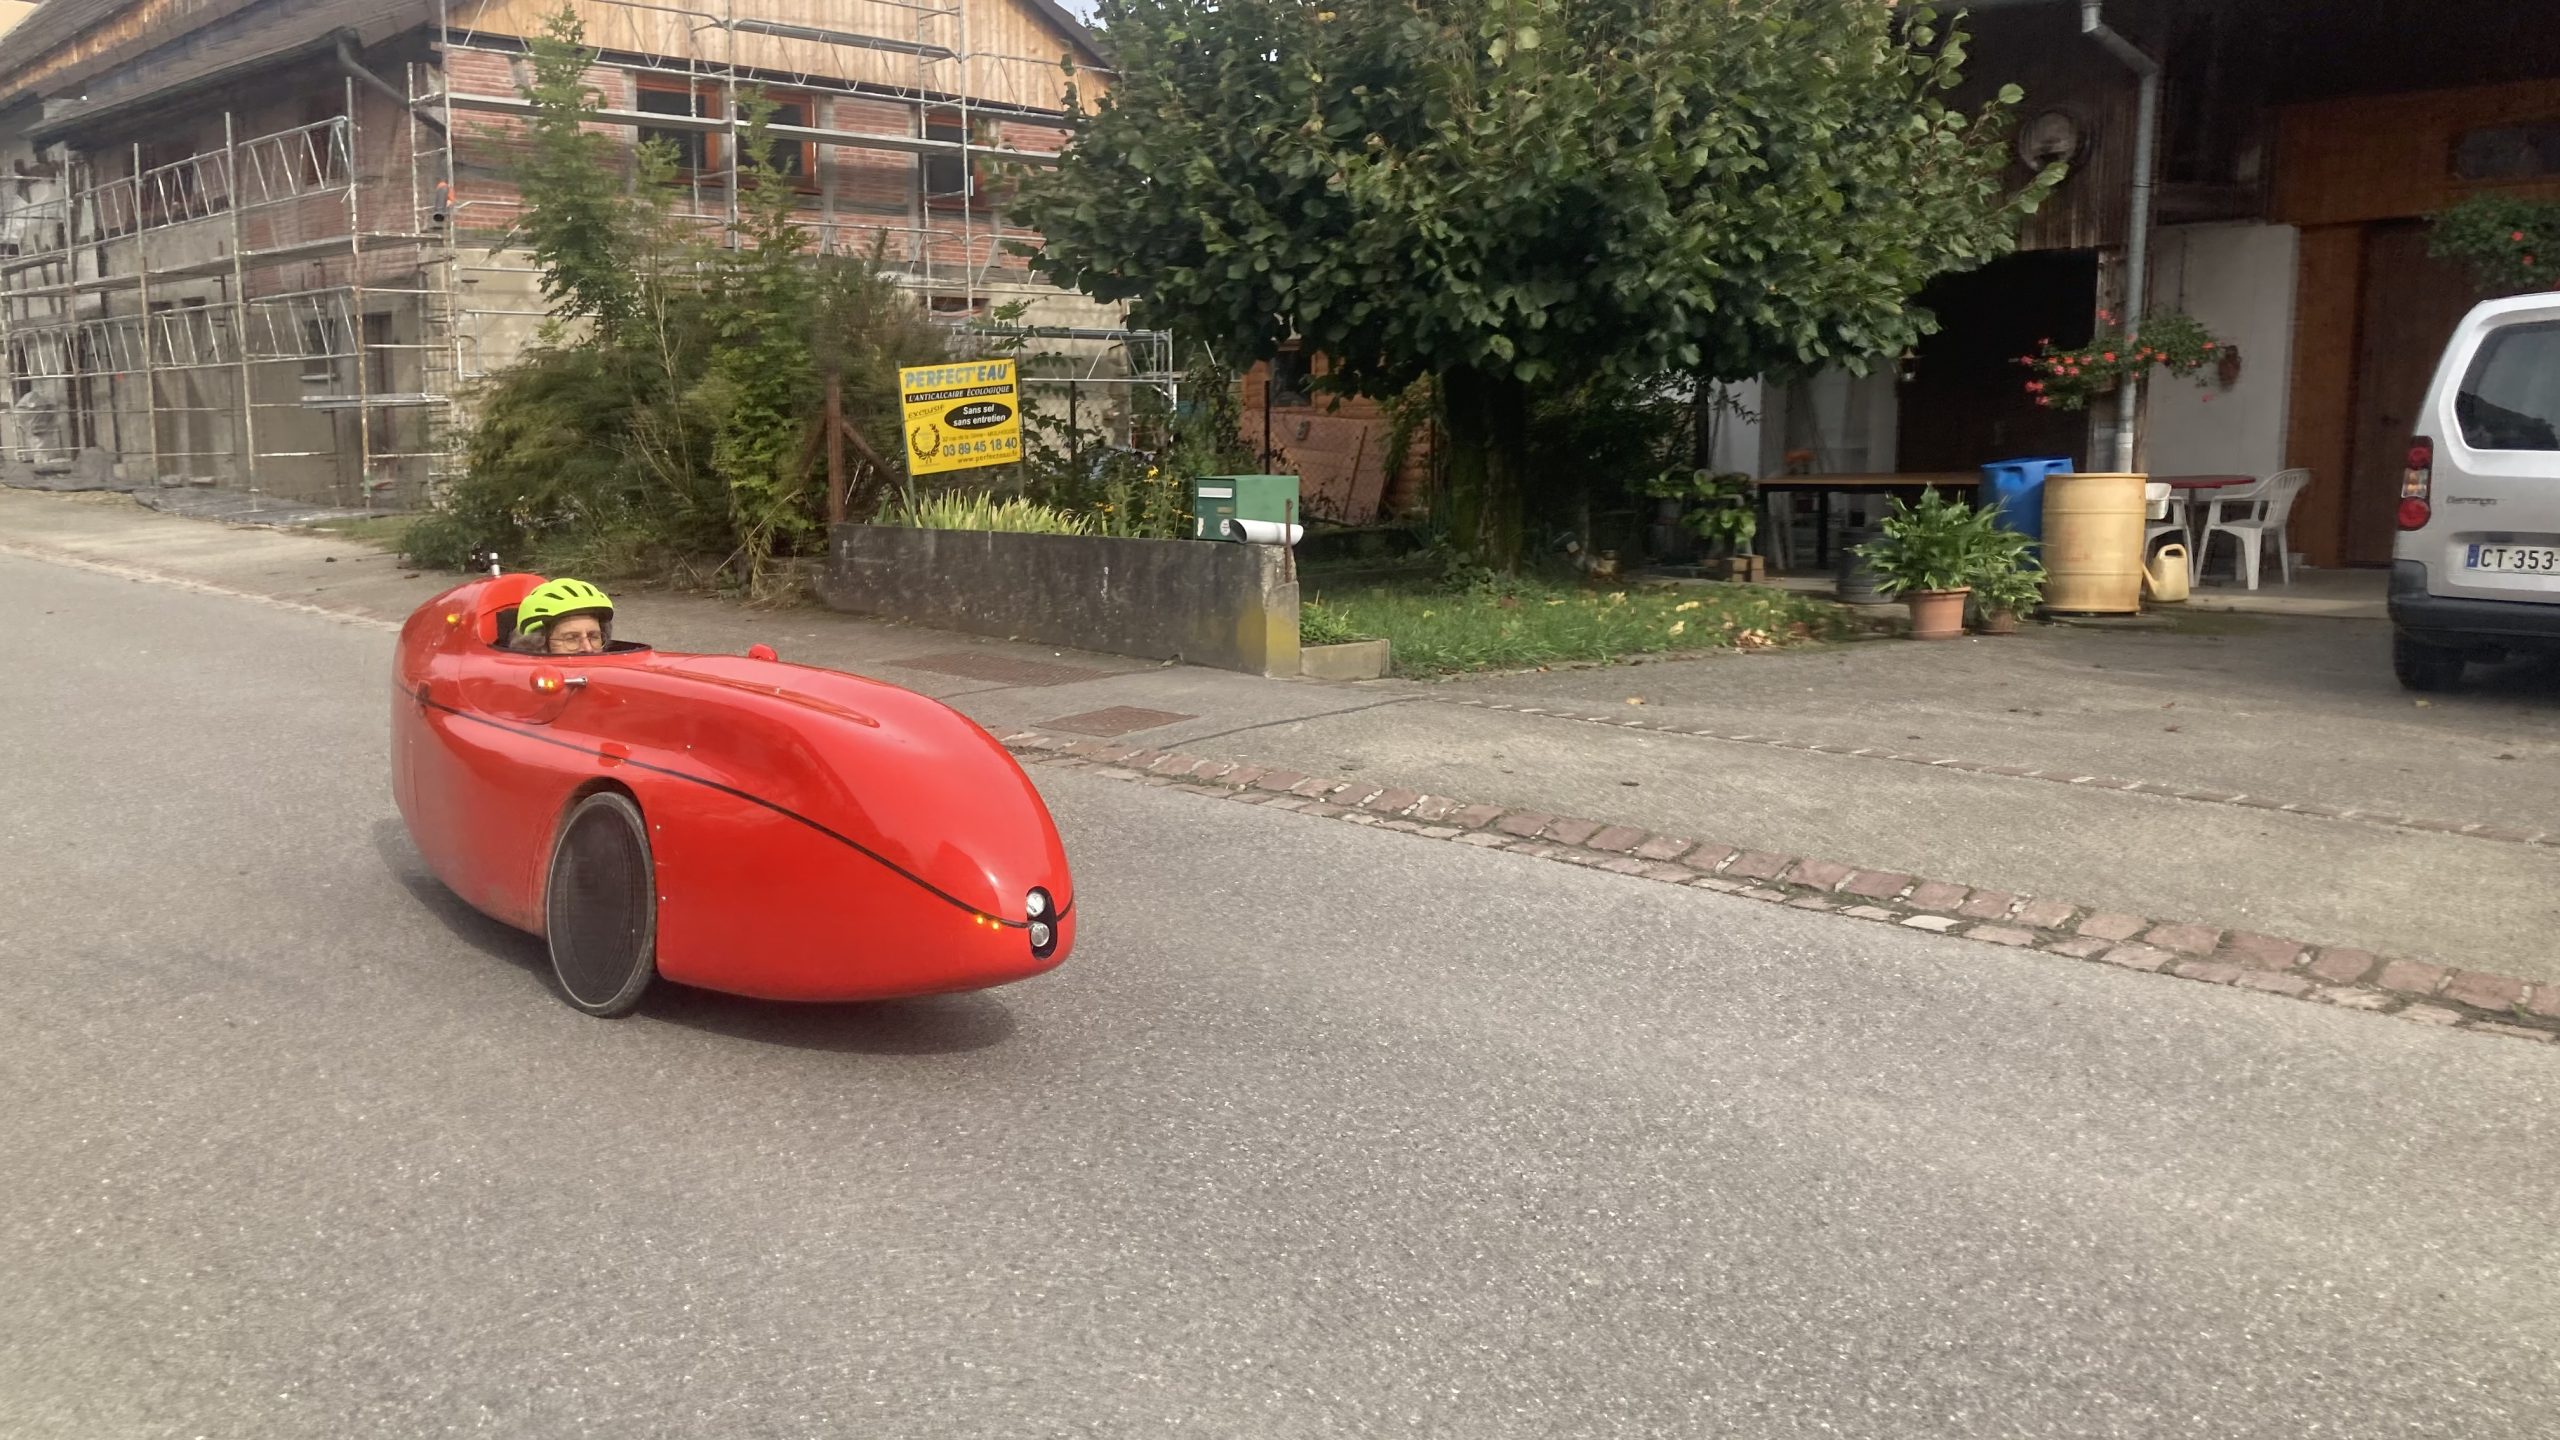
(1936, 614)
(2000, 622)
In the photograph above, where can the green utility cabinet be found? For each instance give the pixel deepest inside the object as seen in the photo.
(1217, 499)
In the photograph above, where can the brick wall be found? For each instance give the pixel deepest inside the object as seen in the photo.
(862, 196)
(873, 184)
(1339, 453)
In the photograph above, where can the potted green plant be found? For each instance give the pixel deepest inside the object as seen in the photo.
(1930, 555)
(1720, 510)
(2008, 585)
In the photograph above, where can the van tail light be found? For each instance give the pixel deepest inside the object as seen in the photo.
(2417, 484)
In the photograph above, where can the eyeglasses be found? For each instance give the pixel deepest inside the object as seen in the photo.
(578, 642)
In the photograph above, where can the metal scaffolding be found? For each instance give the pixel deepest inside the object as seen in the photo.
(262, 312)
(301, 313)
(894, 82)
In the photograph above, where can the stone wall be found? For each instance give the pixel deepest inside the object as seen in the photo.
(1229, 607)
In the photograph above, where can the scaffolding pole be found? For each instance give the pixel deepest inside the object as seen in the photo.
(150, 382)
(248, 446)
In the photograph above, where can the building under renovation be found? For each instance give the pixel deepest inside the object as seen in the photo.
(268, 244)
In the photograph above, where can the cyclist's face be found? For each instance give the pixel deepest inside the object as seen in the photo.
(577, 635)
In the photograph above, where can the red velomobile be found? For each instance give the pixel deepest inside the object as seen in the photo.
(730, 822)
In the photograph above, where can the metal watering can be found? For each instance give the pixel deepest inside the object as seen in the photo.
(2166, 576)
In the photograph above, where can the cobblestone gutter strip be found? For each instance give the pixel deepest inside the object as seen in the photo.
(2412, 990)
(2506, 834)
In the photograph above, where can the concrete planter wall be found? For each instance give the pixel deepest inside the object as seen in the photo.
(1230, 607)
(1350, 660)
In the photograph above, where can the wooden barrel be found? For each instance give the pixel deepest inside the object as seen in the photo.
(2093, 544)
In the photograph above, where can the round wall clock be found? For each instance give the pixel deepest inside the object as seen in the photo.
(2051, 137)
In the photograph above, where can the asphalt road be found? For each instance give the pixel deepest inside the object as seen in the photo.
(1322, 1132)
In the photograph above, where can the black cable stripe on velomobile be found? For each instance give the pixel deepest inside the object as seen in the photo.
(847, 841)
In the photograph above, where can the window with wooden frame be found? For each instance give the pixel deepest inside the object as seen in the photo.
(950, 183)
(796, 159)
(1288, 386)
(2526, 151)
(697, 152)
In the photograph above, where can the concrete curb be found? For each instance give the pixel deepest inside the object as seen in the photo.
(2412, 990)
(51, 555)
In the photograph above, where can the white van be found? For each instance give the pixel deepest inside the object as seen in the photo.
(2475, 573)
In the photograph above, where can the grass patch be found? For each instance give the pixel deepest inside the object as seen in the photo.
(382, 532)
(1523, 623)
(1323, 624)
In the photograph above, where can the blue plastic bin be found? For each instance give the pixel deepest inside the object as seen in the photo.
(2015, 488)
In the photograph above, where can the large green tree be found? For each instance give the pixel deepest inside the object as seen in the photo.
(1513, 195)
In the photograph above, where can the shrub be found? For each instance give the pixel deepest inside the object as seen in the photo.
(978, 510)
(676, 429)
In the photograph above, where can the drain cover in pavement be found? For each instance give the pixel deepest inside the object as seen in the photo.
(1117, 721)
(999, 669)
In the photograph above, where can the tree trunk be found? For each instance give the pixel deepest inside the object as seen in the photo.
(836, 495)
(1702, 424)
(1488, 432)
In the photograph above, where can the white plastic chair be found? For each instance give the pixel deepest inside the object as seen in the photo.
(2251, 513)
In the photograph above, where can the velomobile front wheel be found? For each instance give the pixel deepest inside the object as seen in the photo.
(601, 907)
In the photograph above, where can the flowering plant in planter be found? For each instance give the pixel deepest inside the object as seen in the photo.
(2512, 245)
(2169, 339)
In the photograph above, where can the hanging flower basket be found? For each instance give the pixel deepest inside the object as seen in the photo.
(2510, 244)
(2169, 340)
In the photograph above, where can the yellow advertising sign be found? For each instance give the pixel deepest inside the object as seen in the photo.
(961, 416)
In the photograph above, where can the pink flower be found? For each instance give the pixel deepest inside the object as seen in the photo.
(2517, 237)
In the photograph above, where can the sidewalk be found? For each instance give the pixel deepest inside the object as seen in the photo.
(2008, 765)
(2314, 594)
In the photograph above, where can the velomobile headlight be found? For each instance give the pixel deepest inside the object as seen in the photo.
(1036, 905)
(1041, 935)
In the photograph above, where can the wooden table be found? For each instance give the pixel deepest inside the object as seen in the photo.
(1826, 486)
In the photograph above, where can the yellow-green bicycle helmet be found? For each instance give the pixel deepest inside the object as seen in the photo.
(555, 600)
